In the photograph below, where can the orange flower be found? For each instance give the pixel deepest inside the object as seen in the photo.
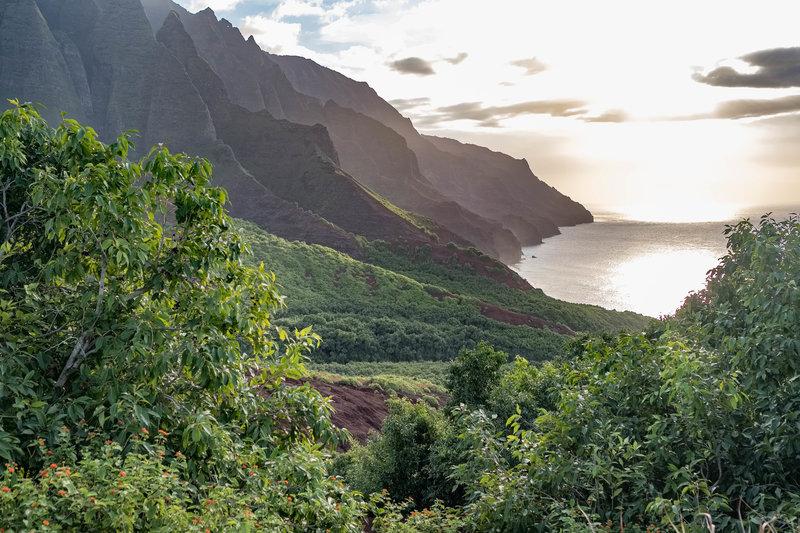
(91, 499)
(62, 492)
(53, 465)
(289, 498)
(145, 431)
(162, 431)
(5, 489)
(12, 469)
(123, 474)
(45, 522)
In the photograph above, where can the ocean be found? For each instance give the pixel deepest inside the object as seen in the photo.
(623, 264)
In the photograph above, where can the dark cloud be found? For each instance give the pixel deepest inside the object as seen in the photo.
(492, 115)
(458, 59)
(412, 65)
(735, 109)
(777, 68)
(404, 104)
(532, 66)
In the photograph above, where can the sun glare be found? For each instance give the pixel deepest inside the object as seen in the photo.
(656, 283)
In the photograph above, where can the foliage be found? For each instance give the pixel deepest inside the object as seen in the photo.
(388, 383)
(636, 420)
(124, 301)
(690, 426)
(473, 374)
(141, 485)
(389, 516)
(529, 388)
(408, 457)
(749, 312)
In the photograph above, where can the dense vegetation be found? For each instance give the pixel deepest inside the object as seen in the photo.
(144, 357)
(690, 426)
(428, 312)
(141, 384)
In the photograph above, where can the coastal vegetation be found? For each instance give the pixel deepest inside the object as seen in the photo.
(146, 350)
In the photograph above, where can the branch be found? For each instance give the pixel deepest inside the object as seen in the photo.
(78, 352)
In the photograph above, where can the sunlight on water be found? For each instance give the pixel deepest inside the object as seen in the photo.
(625, 265)
(622, 262)
(656, 282)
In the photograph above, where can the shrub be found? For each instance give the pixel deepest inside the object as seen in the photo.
(473, 374)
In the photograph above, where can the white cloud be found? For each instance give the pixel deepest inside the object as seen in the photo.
(298, 8)
(216, 5)
(273, 35)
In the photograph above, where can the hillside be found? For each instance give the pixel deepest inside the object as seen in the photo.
(415, 309)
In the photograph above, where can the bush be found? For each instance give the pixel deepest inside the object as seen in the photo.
(474, 374)
(406, 458)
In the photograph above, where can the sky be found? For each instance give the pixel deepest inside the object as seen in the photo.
(679, 110)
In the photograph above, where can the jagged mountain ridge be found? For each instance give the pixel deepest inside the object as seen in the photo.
(100, 61)
(145, 87)
(377, 156)
(382, 149)
(489, 183)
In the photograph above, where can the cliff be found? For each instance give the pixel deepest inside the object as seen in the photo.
(303, 151)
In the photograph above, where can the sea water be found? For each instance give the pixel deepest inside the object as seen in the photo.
(623, 264)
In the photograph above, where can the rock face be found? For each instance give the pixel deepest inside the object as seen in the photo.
(302, 150)
(491, 184)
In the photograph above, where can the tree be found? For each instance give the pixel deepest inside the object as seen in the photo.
(473, 375)
(749, 312)
(124, 301)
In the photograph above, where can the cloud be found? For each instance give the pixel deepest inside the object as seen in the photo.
(298, 8)
(532, 66)
(775, 68)
(612, 115)
(216, 5)
(412, 65)
(458, 59)
(736, 109)
(490, 116)
(405, 104)
(272, 35)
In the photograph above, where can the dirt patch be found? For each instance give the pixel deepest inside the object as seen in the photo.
(518, 319)
(438, 293)
(360, 410)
